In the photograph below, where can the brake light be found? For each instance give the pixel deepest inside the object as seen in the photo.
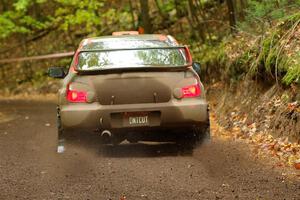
(75, 96)
(191, 91)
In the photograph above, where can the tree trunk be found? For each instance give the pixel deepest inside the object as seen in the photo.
(179, 13)
(232, 15)
(243, 8)
(3, 6)
(146, 21)
(28, 70)
(159, 9)
(132, 15)
(193, 14)
(205, 23)
(179, 5)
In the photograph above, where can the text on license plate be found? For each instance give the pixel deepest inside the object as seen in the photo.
(138, 120)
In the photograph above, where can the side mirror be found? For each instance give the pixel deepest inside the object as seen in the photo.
(197, 67)
(56, 72)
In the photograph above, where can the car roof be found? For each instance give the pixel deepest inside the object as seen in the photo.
(127, 41)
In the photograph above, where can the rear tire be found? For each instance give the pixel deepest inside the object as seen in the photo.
(187, 140)
(197, 136)
(202, 134)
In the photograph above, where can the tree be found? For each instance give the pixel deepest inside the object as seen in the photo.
(232, 15)
(145, 17)
(132, 14)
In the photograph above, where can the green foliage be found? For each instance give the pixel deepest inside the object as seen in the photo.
(207, 53)
(18, 21)
(260, 15)
(67, 13)
(22, 5)
(77, 12)
(9, 26)
(292, 75)
(88, 17)
(273, 56)
(267, 9)
(168, 6)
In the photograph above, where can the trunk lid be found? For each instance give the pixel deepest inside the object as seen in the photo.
(134, 88)
(137, 87)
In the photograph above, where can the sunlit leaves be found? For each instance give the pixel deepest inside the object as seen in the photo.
(18, 19)
(22, 5)
(32, 23)
(8, 26)
(77, 12)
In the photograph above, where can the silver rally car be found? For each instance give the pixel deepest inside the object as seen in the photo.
(134, 88)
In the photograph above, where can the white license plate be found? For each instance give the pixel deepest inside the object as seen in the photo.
(138, 120)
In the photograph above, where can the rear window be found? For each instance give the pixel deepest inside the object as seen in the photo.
(129, 58)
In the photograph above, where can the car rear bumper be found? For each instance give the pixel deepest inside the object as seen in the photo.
(176, 113)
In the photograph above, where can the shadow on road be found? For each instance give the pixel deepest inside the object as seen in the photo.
(145, 150)
(142, 149)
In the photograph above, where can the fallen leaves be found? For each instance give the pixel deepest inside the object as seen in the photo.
(297, 164)
(286, 152)
(294, 107)
(263, 144)
(123, 197)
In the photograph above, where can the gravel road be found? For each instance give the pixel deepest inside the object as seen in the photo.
(30, 168)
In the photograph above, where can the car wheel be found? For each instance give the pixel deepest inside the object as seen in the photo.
(187, 140)
(197, 136)
(202, 134)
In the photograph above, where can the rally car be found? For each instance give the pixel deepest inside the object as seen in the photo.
(132, 87)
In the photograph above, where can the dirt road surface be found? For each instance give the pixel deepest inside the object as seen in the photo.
(30, 168)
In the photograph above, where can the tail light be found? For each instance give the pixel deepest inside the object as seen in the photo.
(75, 96)
(191, 91)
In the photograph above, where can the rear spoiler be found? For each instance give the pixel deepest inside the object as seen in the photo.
(185, 48)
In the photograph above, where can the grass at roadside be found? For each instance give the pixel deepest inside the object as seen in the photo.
(273, 57)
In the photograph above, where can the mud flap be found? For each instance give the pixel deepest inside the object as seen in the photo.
(61, 146)
(204, 136)
(60, 133)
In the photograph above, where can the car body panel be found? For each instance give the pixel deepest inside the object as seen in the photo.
(95, 116)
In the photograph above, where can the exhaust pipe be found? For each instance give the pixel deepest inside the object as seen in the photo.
(106, 133)
(106, 136)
